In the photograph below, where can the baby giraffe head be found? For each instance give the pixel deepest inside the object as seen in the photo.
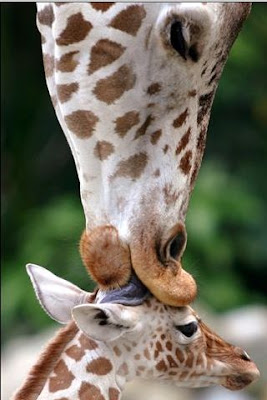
(150, 340)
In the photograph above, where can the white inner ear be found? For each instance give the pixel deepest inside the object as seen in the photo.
(116, 320)
(56, 295)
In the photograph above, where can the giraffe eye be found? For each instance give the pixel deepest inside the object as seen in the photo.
(177, 39)
(188, 330)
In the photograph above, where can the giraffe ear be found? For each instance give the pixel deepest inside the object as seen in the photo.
(56, 296)
(105, 322)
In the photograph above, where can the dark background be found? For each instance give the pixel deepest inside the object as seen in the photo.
(42, 217)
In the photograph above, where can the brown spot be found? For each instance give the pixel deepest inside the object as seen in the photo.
(159, 346)
(49, 63)
(194, 173)
(185, 163)
(204, 103)
(201, 140)
(81, 123)
(137, 357)
(181, 119)
(146, 354)
(62, 379)
(169, 345)
(123, 370)
(192, 93)
(128, 348)
(99, 366)
(162, 336)
(179, 355)
(117, 351)
(88, 391)
(67, 62)
(87, 343)
(65, 91)
(113, 394)
(46, 16)
(155, 136)
(161, 366)
(75, 352)
(165, 148)
(156, 174)
(143, 128)
(171, 362)
(101, 6)
(126, 122)
(189, 360)
(129, 20)
(154, 88)
(183, 142)
(132, 168)
(104, 52)
(156, 353)
(112, 88)
(103, 150)
(76, 30)
(170, 194)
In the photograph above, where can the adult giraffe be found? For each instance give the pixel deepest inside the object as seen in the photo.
(132, 86)
(110, 344)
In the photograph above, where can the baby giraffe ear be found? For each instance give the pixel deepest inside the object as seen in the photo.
(56, 296)
(105, 322)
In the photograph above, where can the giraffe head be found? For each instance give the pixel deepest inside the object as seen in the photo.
(132, 86)
(150, 340)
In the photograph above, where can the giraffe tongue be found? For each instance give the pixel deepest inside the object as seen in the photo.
(132, 294)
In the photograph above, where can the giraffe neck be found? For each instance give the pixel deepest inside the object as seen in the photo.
(125, 110)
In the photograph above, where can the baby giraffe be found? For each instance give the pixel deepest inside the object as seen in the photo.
(106, 344)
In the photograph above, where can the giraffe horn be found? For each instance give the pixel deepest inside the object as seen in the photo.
(132, 294)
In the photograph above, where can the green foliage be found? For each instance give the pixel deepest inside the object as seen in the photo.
(41, 210)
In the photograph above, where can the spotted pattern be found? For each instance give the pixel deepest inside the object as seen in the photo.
(103, 53)
(113, 87)
(129, 20)
(113, 394)
(65, 92)
(124, 123)
(132, 168)
(99, 366)
(62, 378)
(102, 6)
(46, 16)
(155, 136)
(185, 163)
(49, 64)
(178, 122)
(88, 391)
(183, 142)
(103, 149)
(67, 62)
(143, 128)
(76, 30)
(82, 123)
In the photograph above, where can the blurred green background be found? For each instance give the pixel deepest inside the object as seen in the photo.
(42, 217)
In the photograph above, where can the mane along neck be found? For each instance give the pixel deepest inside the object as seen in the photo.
(39, 373)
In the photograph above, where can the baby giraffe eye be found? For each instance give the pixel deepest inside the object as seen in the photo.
(189, 329)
